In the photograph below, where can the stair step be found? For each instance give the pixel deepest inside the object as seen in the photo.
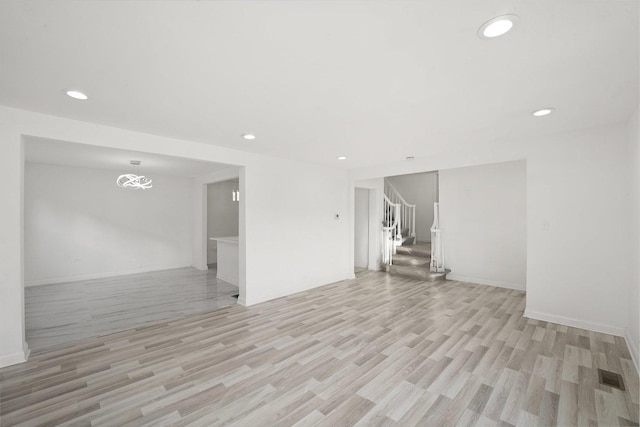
(421, 249)
(418, 261)
(408, 240)
(417, 273)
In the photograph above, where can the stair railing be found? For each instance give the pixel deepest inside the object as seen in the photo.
(390, 230)
(407, 217)
(437, 243)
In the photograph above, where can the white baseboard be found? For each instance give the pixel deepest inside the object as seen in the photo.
(634, 349)
(257, 299)
(242, 301)
(479, 281)
(76, 278)
(568, 321)
(228, 279)
(15, 358)
(374, 267)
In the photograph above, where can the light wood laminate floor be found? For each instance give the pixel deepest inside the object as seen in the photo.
(60, 313)
(378, 350)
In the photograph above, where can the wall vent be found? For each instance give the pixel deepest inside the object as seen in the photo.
(610, 379)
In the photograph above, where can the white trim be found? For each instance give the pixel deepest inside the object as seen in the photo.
(15, 358)
(65, 279)
(575, 323)
(242, 301)
(479, 281)
(374, 267)
(233, 280)
(633, 349)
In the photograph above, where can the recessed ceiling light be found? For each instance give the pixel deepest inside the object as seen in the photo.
(249, 136)
(497, 26)
(342, 158)
(75, 94)
(542, 112)
(410, 157)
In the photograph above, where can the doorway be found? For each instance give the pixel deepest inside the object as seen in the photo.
(223, 206)
(361, 223)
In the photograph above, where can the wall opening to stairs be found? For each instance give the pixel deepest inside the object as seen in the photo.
(421, 190)
(483, 221)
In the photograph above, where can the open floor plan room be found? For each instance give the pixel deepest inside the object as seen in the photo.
(377, 350)
(261, 213)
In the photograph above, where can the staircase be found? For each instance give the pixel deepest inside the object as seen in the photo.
(400, 255)
(414, 261)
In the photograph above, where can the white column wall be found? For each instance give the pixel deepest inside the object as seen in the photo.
(294, 241)
(483, 215)
(13, 348)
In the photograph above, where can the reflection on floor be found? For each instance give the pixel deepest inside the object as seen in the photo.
(65, 312)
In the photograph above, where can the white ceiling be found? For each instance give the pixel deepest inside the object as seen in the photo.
(62, 153)
(372, 80)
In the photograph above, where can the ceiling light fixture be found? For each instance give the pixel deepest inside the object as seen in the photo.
(542, 112)
(76, 94)
(497, 26)
(134, 181)
(341, 158)
(410, 157)
(249, 136)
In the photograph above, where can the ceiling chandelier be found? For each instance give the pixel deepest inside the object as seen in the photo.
(134, 181)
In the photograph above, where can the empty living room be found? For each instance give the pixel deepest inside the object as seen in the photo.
(319, 213)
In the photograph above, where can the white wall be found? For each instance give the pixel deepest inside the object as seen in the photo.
(361, 218)
(222, 214)
(633, 331)
(13, 347)
(291, 231)
(80, 225)
(420, 190)
(484, 217)
(577, 181)
(293, 241)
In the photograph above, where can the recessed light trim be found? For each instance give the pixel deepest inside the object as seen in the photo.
(341, 158)
(76, 94)
(498, 26)
(249, 136)
(543, 112)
